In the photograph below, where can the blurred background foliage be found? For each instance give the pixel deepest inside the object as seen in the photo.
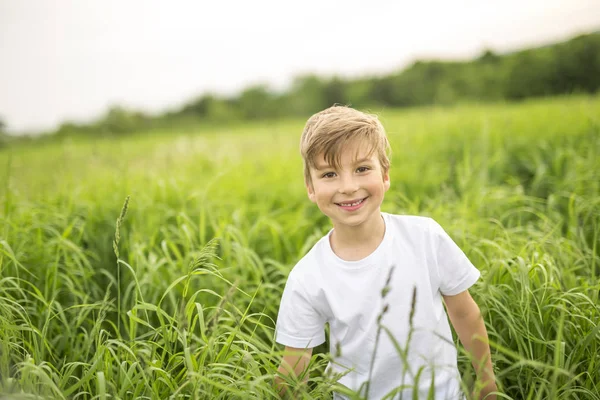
(562, 68)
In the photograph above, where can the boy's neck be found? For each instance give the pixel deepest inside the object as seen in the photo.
(353, 243)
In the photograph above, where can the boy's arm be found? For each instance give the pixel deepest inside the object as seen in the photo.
(468, 323)
(295, 361)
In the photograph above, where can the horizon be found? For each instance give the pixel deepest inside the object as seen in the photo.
(163, 71)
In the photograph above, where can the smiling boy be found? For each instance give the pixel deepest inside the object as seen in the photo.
(372, 261)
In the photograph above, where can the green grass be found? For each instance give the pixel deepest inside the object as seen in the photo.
(184, 303)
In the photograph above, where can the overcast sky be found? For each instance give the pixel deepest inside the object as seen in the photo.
(69, 60)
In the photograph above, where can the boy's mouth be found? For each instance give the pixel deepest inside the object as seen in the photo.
(352, 205)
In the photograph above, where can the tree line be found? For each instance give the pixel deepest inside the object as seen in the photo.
(568, 67)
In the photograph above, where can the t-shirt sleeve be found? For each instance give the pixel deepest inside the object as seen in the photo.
(456, 272)
(298, 323)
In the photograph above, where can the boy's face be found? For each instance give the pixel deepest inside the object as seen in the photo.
(352, 194)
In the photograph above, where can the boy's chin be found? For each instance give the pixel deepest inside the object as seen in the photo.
(351, 220)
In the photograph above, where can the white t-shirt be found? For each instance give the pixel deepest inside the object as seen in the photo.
(348, 294)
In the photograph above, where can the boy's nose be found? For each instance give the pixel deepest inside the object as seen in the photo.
(348, 185)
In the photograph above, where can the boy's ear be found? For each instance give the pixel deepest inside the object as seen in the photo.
(310, 190)
(386, 180)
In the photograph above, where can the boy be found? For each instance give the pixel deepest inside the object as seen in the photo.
(378, 279)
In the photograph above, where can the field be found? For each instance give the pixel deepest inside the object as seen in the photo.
(174, 291)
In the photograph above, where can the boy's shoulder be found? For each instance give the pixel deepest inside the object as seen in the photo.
(309, 263)
(410, 220)
(411, 224)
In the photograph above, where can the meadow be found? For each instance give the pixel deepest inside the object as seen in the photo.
(151, 266)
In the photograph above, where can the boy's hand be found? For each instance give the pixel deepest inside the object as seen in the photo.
(295, 362)
(468, 324)
(484, 393)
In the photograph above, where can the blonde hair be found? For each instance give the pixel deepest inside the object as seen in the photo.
(329, 131)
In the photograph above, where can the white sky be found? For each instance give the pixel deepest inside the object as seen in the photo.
(71, 59)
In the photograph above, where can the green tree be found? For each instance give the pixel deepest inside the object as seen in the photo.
(578, 65)
(199, 107)
(307, 95)
(530, 74)
(119, 120)
(257, 102)
(335, 91)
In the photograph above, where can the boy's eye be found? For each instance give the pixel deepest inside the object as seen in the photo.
(362, 169)
(328, 175)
